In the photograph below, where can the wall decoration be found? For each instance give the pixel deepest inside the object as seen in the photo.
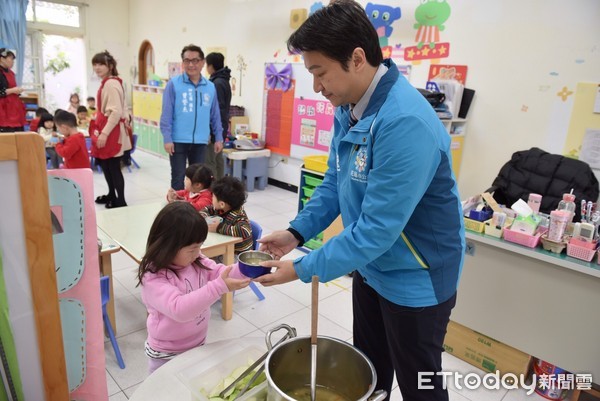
(312, 123)
(584, 122)
(174, 68)
(564, 93)
(431, 16)
(297, 17)
(382, 16)
(241, 67)
(447, 71)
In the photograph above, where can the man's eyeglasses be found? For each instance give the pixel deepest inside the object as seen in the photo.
(193, 61)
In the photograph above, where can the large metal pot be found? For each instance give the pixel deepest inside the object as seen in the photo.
(341, 368)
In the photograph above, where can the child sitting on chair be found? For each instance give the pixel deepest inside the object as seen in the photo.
(179, 283)
(228, 201)
(197, 182)
(48, 131)
(72, 148)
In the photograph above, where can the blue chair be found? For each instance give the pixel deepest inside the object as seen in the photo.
(256, 233)
(105, 291)
(133, 146)
(88, 145)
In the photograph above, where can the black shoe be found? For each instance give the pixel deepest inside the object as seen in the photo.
(114, 204)
(103, 199)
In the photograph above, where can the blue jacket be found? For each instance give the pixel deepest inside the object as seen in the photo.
(189, 111)
(390, 176)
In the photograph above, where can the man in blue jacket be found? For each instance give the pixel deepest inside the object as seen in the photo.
(190, 112)
(389, 176)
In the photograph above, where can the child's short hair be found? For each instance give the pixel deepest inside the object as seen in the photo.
(90, 98)
(199, 174)
(45, 117)
(231, 191)
(81, 109)
(176, 226)
(65, 118)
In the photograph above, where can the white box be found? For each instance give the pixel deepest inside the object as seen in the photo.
(220, 363)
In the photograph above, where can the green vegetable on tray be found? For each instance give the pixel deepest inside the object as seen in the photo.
(213, 395)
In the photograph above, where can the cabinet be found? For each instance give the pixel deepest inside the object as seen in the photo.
(456, 127)
(31, 105)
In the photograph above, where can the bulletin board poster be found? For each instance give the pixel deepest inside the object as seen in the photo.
(312, 123)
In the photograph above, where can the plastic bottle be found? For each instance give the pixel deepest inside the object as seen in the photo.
(567, 204)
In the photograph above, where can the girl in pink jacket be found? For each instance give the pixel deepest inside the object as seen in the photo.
(179, 284)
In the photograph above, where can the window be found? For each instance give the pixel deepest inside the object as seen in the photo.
(63, 14)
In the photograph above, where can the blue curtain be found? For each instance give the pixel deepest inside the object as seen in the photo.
(13, 29)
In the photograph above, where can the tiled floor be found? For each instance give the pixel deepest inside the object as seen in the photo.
(272, 208)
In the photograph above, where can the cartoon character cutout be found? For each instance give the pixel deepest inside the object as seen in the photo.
(382, 17)
(430, 16)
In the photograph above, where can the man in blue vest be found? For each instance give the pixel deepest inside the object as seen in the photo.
(190, 112)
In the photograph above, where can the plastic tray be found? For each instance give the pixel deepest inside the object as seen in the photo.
(580, 252)
(493, 231)
(206, 374)
(474, 225)
(312, 181)
(308, 191)
(316, 163)
(530, 241)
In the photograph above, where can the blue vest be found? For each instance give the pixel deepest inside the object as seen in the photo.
(191, 122)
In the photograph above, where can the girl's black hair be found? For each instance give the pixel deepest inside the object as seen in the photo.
(108, 60)
(199, 174)
(81, 109)
(176, 226)
(39, 111)
(231, 191)
(46, 117)
(335, 31)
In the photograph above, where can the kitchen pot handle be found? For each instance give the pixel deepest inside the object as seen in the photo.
(378, 395)
(291, 333)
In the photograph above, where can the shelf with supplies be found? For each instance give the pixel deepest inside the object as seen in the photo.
(456, 127)
(147, 108)
(31, 105)
(309, 181)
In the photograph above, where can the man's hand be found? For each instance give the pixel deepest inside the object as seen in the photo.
(284, 274)
(170, 148)
(278, 243)
(218, 146)
(234, 283)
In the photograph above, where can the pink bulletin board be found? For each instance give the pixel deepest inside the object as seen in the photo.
(312, 123)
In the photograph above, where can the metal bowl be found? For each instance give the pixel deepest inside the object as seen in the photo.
(249, 263)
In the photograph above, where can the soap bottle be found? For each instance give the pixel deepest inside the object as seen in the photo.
(567, 204)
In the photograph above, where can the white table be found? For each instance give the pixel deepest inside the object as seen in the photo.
(129, 227)
(542, 304)
(164, 385)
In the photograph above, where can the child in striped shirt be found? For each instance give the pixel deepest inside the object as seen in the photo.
(229, 196)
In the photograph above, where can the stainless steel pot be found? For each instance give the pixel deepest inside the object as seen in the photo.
(341, 368)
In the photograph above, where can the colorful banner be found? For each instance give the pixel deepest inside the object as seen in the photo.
(312, 123)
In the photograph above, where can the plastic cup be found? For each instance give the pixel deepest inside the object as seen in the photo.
(558, 223)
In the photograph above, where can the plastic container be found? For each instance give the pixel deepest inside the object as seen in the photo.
(534, 202)
(474, 225)
(493, 230)
(313, 244)
(530, 241)
(545, 387)
(480, 215)
(316, 163)
(580, 252)
(568, 204)
(201, 377)
(312, 181)
(304, 201)
(558, 224)
(308, 191)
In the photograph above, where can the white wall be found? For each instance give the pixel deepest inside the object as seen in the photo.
(511, 49)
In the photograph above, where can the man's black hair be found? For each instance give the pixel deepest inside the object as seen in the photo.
(217, 60)
(335, 31)
(231, 191)
(193, 48)
(65, 118)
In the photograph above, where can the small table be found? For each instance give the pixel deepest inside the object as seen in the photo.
(108, 248)
(129, 227)
(237, 158)
(163, 383)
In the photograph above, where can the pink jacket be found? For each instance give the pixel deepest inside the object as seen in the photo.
(179, 304)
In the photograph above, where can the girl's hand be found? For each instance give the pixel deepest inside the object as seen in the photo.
(234, 283)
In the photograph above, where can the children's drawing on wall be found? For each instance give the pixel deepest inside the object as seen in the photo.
(241, 67)
(431, 16)
(174, 68)
(448, 72)
(382, 16)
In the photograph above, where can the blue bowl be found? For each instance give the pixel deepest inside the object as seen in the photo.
(249, 263)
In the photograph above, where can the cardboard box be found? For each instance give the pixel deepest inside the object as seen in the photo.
(239, 125)
(334, 229)
(484, 352)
